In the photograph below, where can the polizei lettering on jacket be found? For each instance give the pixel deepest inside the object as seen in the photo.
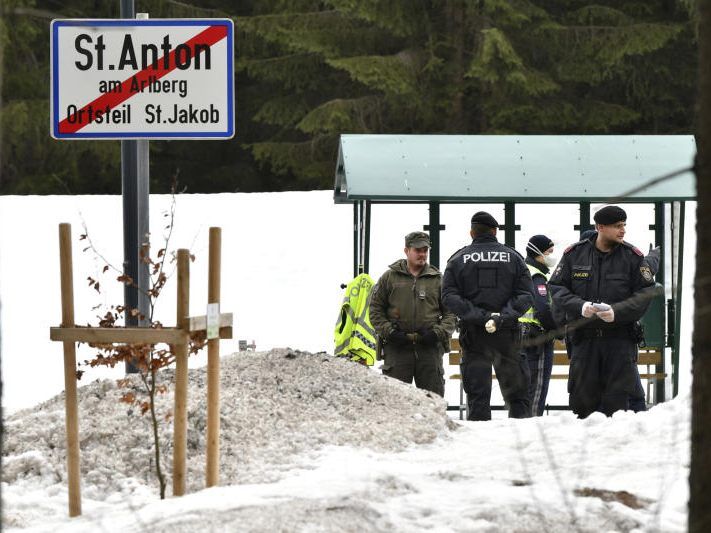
(154, 56)
(487, 257)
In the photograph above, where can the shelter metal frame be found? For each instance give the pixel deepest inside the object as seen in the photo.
(445, 169)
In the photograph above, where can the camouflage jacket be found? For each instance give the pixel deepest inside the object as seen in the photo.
(400, 300)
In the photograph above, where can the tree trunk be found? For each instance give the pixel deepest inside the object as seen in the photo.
(455, 23)
(700, 470)
(2, 68)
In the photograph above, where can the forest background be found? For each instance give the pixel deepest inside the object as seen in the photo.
(308, 71)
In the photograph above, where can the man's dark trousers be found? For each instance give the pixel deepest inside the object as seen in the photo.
(603, 373)
(539, 355)
(481, 350)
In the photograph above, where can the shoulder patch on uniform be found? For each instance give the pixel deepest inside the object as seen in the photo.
(646, 273)
(574, 245)
(633, 248)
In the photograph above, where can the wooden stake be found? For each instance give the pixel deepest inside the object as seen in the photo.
(180, 414)
(212, 469)
(70, 377)
(68, 333)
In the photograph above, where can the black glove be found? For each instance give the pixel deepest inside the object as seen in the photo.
(398, 338)
(428, 337)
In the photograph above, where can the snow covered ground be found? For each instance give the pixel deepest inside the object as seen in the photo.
(309, 443)
(314, 443)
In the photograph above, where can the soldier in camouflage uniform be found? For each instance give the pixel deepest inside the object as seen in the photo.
(407, 314)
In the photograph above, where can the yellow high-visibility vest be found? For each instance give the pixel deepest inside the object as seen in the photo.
(354, 335)
(530, 315)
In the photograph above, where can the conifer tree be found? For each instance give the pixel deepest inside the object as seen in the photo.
(310, 70)
(451, 66)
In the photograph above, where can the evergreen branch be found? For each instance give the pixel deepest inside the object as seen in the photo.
(290, 18)
(214, 11)
(36, 13)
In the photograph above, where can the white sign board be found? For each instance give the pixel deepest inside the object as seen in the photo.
(142, 79)
(213, 321)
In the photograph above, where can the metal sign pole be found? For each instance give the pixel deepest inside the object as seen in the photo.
(95, 97)
(135, 191)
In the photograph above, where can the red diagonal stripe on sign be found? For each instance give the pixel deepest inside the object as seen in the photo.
(208, 37)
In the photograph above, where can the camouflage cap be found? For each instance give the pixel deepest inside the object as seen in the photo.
(417, 239)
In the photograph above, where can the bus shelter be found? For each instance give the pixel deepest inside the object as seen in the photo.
(540, 169)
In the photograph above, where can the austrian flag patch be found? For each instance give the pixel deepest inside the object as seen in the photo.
(542, 290)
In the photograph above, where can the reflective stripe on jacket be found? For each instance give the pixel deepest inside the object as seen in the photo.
(530, 315)
(354, 335)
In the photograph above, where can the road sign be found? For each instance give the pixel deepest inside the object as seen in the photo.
(142, 79)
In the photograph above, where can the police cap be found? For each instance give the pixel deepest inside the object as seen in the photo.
(482, 217)
(610, 214)
(417, 239)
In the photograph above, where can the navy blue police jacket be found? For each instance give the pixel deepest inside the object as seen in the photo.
(621, 277)
(487, 277)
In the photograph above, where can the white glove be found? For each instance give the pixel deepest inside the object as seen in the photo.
(490, 325)
(588, 310)
(607, 316)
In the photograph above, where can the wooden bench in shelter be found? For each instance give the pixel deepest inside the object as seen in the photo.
(648, 362)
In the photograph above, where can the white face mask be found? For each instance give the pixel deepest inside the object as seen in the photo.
(550, 260)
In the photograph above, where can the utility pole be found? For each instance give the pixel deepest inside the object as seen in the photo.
(135, 192)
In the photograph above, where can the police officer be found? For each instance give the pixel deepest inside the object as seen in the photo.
(407, 313)
(637, 401)
(537, 322)
(487, 285)
(604, 280)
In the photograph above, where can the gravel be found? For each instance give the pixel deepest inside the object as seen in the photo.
(278, 408)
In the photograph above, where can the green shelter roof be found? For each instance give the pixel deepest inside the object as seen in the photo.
(518, 168)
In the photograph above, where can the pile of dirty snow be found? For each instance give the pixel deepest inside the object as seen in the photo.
(278, 408)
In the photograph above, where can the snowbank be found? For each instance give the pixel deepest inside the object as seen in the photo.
(311, 443)
(277, 409)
